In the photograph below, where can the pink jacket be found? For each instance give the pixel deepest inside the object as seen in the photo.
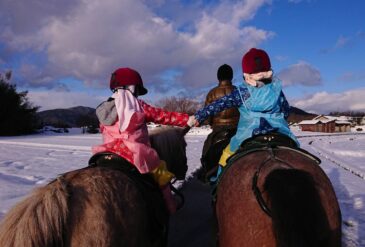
(133, 143)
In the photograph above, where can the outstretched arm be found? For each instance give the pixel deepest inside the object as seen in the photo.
(160, 116)
(235, 99)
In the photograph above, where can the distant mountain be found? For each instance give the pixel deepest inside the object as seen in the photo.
(72, 117)
(85, 116)
(296, 115)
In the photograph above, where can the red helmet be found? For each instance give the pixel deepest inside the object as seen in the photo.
(255, 61)
(126, 77)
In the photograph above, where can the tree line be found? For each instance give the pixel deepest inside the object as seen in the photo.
(17, 114)
(348, 113)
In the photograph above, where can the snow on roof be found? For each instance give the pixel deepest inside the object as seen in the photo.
(330, 118)
(322, 117)
(344, 118)
(314, 121)
(343, 122)
(308, 122)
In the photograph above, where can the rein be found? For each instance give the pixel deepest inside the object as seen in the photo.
(255, 188)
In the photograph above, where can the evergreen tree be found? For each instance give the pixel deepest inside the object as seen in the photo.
(17, 114)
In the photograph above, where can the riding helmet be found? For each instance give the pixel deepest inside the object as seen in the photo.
(255, 61)
(125, 77)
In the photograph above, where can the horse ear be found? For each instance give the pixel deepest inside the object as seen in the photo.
(185, 130)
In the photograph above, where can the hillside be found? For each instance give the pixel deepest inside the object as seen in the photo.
(72, 117)
(296, 115)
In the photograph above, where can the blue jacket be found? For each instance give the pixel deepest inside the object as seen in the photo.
(262, 110)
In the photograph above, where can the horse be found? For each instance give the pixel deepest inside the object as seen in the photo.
(276, 195)
(213, 147)
(97, 205)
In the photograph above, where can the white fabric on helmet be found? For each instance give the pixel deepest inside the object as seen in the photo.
(255, 79)
(126, 105)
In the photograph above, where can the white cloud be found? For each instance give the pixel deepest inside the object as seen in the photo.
(237, 11)
(299, 1)
(342, 41)
(92, 38)
(58, 99)
(281, 58)
(20, 20)
(34, 76)
(357, 76)
(324, 102)
(300, 73)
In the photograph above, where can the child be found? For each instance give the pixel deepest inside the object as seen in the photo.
(123, 125)
(262, 105)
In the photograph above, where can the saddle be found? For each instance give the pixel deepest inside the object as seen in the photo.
(268, 141)
(113, 161)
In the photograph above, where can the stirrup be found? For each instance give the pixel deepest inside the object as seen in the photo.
(180, 195)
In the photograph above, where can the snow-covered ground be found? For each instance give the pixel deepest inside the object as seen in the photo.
(30, 161)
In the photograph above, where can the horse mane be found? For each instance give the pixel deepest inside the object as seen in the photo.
(299, 218)
(170, 145)
(38, 220)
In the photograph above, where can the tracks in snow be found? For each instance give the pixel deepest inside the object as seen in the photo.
(46, 146)
(322, 153)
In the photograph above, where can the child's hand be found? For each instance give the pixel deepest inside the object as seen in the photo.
(192, 121)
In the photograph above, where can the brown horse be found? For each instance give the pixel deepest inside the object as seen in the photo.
(276, 197)
(96, 206)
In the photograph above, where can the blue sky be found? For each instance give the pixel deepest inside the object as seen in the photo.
(63, 52)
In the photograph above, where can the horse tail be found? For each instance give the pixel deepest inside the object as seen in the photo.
(39, 220)
(298, 216)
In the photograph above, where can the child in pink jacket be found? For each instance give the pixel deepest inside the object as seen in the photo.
(123, 125)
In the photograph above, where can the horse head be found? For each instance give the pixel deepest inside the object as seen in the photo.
(170, 145)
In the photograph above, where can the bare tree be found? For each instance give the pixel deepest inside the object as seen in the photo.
(179, 104)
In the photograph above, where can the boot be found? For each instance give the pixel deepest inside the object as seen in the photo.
(163, 177)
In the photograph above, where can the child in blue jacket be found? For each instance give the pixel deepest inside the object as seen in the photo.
(262, 105)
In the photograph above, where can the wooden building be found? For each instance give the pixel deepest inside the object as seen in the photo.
(326, 124)
(318, 126)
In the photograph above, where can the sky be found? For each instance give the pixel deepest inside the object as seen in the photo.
(63, 52)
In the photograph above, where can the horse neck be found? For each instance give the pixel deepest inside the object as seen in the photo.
(171, 147)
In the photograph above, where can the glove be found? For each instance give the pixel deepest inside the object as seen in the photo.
(161, 175)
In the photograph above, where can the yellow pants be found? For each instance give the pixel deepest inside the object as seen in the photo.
(161, 175)
(225, 155)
